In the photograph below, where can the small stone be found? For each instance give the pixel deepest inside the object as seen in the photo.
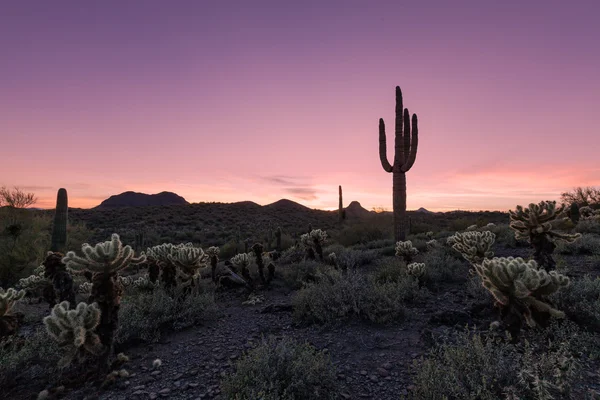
(153, 396)
(164, 392)
(387, 366)
(373, 378)
(345, 395)
(383, 372)
(363, 372)
(139, 387)
(154, 373)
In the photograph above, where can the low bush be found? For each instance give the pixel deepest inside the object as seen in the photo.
(338, 296)
(443, 267)
(581, 302)
(487, 367)
(282, 370)
(588, 226)
(586, 244)
(145, 316)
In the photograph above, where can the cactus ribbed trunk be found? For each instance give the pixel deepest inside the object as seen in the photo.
(59, 228)
(405, 146)
(399, 201)
(341, 206)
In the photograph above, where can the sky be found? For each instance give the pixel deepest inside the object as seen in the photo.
(261, 100)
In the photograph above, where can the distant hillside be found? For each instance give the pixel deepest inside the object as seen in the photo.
(424, 210)
(355, 210)
(285, 206)
(134, 199)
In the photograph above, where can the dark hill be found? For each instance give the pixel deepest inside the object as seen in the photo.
(424, 210)
(285, 206)
(355, 210)
(134, 199)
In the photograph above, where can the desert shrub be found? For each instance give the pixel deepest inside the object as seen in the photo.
(419, 244)
(588, 226)
(339, 296)
(581, 302)
(487, 368)
(378, 244)
(443, 267)
(349, 258)
(229, 250)
(586, 244)
(282, 370)
(297, 274)
(506, 236)
(294, 254)
(390, 270)
(145, 316)
(361, 233)
(24, 240)
(33, 357)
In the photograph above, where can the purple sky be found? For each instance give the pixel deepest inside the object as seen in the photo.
(262, 100)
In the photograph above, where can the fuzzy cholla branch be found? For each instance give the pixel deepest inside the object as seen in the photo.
(416, 269)
(474, 246)
(318, 236)
(471, 228)
(8, 298)
(74, 330)
(108, 257)
(587, 212)
(85, 288)
(188, 258)
(514, 281)
(537, 220)
(406, 250)
(212, 251)
(241, 260)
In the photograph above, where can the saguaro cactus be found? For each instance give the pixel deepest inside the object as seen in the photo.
(59, 229)
(341, 212)
(404, 158)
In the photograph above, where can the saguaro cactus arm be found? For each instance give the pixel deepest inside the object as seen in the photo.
(411, 148)
(383, 147)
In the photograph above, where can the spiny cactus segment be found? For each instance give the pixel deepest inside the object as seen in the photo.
(8, 298)
(535, 225)
(313, 242)
(416, 269)
(471, 228)
(474, 246)
(521, 286)
(429, 235)
(74, 331)
(406, 250)
(107, 257)
(588, 213)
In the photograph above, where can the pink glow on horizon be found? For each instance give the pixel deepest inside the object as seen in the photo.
(274, 101)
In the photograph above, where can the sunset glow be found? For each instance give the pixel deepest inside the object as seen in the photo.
(261, 100)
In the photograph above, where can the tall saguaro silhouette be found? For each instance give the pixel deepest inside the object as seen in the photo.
(405, 146)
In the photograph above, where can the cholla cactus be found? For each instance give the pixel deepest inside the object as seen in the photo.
(126, 281)
(319, 238)
(8, 298)
(471, 228)
(535, 224)
(474, 246)
(144, 283)
(520, 287)
(241, 262)
(213, 253)
(432, 244)
(491, 225)
(33, 281)
(332, 259)
(8, 321)
(588, 213)
(85, 288)
(406, 250)
(109, 257)
(429, 235)
(308, 245)
(105, 260)
(74, 331)
(188, 259)
(416, 269)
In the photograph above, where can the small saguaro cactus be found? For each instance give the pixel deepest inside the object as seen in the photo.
(341, 211)
(74, 331)
(9, 322)
(404, 158)
(474, 246)
(59, 228)
(574, 214)
(105, 261)
(278, 239)
(406, 251)
(535, 224)
(520, 288)
(213, 253)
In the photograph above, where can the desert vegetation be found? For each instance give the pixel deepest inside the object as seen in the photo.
(503, 305)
